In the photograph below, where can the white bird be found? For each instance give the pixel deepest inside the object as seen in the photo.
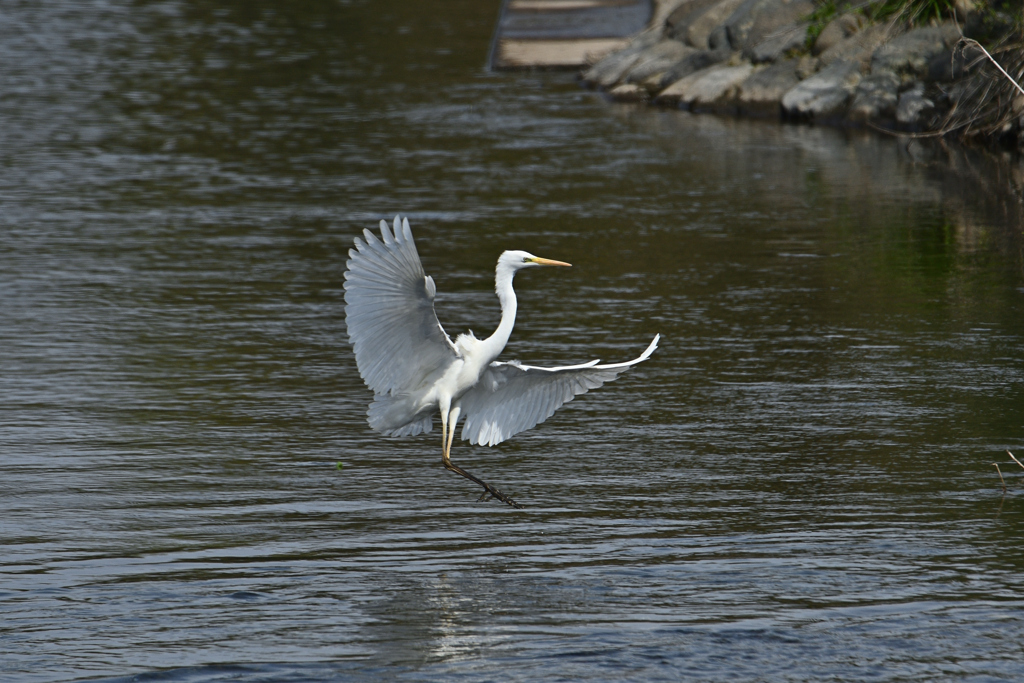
(412, 366)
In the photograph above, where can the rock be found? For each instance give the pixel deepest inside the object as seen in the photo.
(700, 29)
(775, 46)
(719, 88)
(840, 28)
(680, 20)
(1017, 105)
(912, 106)
(719, 39)
(761, 93)
(697, 61)
(756, 20)
(653, 84)
(707, 88)
(663, 9)
(988, 25)
(628, 92)
(610, 70)
(963, 9)
(910, 54)
(657, 59)
(858, 46)
(605, 74)
(825, 94)
(875, 97)
(946, 67)
(807, 66)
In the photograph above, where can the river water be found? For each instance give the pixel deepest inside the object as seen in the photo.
(796, 486)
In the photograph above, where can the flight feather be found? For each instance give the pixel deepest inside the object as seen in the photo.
(389, 312)
(511, 397)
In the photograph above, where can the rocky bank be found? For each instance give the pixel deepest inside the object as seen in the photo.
(767, 58)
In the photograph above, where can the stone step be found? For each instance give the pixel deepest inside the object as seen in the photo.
(564, 34)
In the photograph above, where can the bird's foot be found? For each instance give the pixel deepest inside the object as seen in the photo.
(488, 489)
(495, 493)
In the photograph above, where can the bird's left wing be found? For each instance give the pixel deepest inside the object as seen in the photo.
(510, 398)
(389, 312)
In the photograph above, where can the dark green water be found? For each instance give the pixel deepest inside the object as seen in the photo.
(797, 486)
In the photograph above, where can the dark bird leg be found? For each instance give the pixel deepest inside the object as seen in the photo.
(447, 436)
(488, 489)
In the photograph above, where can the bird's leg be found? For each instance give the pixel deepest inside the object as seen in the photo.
(453, 418)
(488, 489)
(446, 444)
(444, 431)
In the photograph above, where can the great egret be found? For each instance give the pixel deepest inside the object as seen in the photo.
(412, 366)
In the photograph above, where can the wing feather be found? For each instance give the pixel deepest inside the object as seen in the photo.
(511, 398)
(389, 312)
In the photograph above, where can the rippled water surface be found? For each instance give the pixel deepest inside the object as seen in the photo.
(797, 486)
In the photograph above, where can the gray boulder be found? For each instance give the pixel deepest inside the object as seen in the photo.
(807, 66)
(950, 67)
(913, 106)
(761, 94)
(858, 46)
(610, 70)
(628, 92)
(987, 26)
(707, 89)
(678, 22)
(719, 39)
(664, 9)
(825, 94)
(704, 24)
(692, 63)
(773, 47)
(756, 20)
(875, 98)
(911, 54)
(837, 30)
(657, 59)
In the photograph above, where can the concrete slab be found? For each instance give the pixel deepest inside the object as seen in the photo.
(564, 33)
(552, 54)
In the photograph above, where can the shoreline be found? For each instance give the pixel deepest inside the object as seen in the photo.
(772, 58)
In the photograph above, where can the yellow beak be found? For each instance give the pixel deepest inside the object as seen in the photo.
(549, 262)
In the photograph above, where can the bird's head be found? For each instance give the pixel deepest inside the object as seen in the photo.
(515, 260)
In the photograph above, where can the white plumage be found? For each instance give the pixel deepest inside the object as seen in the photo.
(415, 370)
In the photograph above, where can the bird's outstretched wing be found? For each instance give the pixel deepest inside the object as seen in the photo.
(511, 398)
(389, 312)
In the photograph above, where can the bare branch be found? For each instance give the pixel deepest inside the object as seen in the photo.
(1001, 480)
(1015, 458)
(974, 43)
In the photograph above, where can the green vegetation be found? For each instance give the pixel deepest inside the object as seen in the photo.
(826, 11)
(913, 12)
(910, 12)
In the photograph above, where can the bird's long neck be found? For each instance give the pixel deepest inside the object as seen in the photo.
(495, 344)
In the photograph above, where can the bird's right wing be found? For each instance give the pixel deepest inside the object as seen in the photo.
(510, 398)
(389, 311)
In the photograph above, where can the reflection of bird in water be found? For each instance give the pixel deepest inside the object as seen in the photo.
(414, 369)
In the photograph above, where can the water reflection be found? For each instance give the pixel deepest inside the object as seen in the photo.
(799, 486)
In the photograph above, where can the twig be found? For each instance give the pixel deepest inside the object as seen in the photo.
(1015, 458)
(1001, 480)
(942, 132)
(968, 41)
(901, 134)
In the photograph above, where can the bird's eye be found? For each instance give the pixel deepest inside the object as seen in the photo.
(526, 259)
